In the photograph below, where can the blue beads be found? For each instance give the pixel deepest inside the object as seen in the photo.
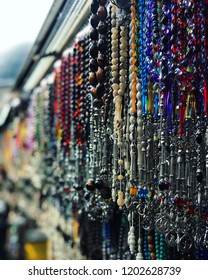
(146, 251)
(143, 193)
(156, 115)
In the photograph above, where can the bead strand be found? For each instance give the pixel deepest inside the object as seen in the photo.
(118, 104)
(114, 74)
(133, 80)
(139, 255)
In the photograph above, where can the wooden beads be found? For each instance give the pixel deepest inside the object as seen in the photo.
(97, 51)
(134, 79)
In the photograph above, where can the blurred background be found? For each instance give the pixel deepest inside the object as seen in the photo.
(20, 23)
(33, 33)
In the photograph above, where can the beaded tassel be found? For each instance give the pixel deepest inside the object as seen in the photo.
(131, 240)
(139, 255)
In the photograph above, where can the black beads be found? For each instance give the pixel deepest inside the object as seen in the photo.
(102, 45)
(93, 51)
(102, 13)
(90, 185)
(97, 50)
(100, 89)
(102, 2)
(105, 192)
(93, 65)
(199, 175)
(93, 34)
(101, 61)
(102, 27)
(99, 184)
(198, 137)
(163, 185)
(94, 20)
(98, 103)
(94, 6)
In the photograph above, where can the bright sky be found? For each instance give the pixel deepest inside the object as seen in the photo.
(21, 21)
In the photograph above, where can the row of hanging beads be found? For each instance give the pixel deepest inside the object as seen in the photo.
(133, 80)
(114, 74)
(119, 104)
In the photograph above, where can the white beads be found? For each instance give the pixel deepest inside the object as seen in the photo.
(120, 177)
(122, 72)
(122, 59)
(132, 120)
(131, 240)
(139, 104)
(113, 21)
(115, 93)
(119, 61)
(123, 41)
(114, 74)
(114, 48)
(121, 92)
(131, 76)
(139, 131)
(114, 30)
(115, 86)
(114, 36)
(126, 200)
(139, 122)
(120, 144)
(131, 128)
(114, 55)
(127, 165)
(122, 85)
(129, 217)
(114, 67)
(138, 87)
(120, 200)
(113, 9)
(123, 53)
(117, 99)
(115, 61)
(139, 255)
(113, 194)
(114, 43)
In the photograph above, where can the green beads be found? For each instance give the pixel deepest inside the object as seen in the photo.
(161, 247)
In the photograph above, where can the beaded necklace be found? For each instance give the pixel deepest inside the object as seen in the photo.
(118, 98)
(114, 73)
(133, 79)
(127, 112)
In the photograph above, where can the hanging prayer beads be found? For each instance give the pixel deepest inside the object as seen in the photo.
(120, 131)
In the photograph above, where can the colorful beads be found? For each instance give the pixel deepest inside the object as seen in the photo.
(133, 191)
